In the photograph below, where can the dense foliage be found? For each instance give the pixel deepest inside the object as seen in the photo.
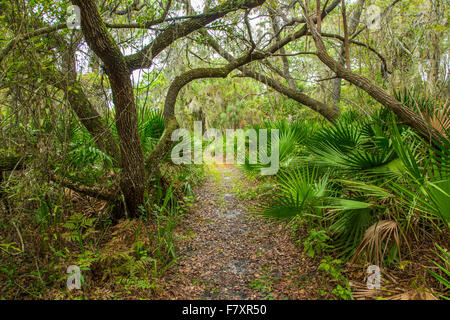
(87, 115)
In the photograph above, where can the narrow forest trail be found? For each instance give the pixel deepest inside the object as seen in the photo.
(225, 253)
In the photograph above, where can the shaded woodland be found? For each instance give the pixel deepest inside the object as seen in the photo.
(358, 91)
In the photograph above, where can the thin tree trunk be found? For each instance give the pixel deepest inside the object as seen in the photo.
(434, 48)
(355, 18)
(284, 59)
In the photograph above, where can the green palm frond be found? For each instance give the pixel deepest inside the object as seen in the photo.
(291, 137)
(428, 186)
(353, 146)
(84, 151)
(348, 225)
(444, 257)
(343, 136)
(151, 127)
(299, 190)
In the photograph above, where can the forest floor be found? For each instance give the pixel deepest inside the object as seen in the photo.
(226, 253)
(223, 252)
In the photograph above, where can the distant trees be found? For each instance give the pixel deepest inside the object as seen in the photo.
(266, 41)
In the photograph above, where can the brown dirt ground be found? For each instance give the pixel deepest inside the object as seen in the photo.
(226, 253)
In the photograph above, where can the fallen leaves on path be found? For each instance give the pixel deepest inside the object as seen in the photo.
(225, 253)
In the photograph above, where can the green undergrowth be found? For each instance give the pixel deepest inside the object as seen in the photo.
(118, 260)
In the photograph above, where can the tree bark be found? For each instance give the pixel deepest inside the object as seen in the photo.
(86, 113)
(93, 192)
(323, 109)
(284, 59)
(409, 117)
(100, 41)
(354, 22)
(66, 81)
(294, 93)
(165, 143)
(434, 48)
(143, 58)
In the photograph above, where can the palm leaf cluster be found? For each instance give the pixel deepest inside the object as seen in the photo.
(352, 144)
(291, 141)
(369, 183)
(151, 127)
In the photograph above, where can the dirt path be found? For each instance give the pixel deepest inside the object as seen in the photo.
(225, 253)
